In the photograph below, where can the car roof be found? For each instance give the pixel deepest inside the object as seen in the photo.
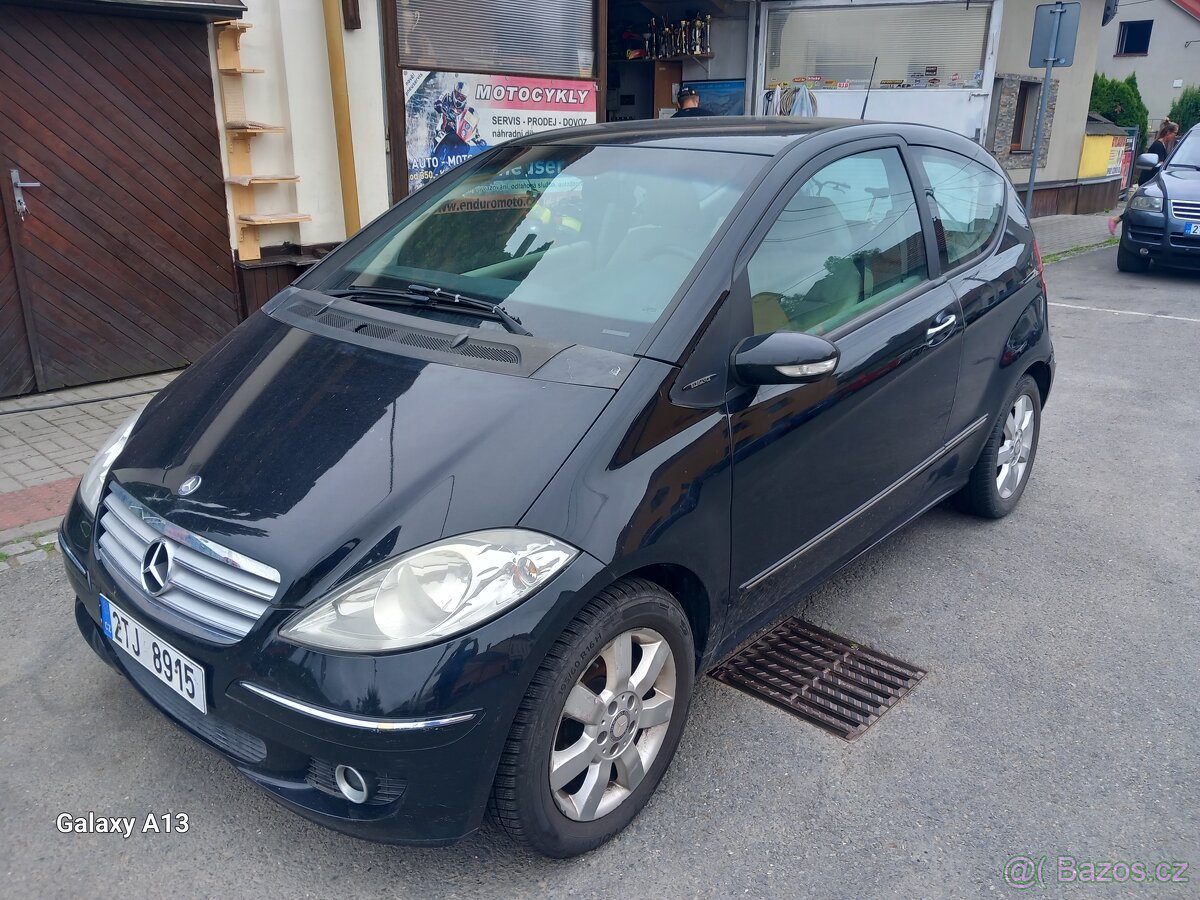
(762, 135)
(765, 135)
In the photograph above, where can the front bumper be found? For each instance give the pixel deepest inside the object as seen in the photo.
(1161, 237)
(454, 703)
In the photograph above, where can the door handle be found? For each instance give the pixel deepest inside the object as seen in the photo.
(19, 188)
(935, 334)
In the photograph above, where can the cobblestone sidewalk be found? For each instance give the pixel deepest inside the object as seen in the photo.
(31, 544)
(1060, 234)
(48, 440)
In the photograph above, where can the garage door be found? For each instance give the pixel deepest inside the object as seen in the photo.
(120, 264)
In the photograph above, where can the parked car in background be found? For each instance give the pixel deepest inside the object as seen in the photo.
(457, 519)
(1162, 223)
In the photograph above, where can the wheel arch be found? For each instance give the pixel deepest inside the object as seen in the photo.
(1040, 373)
(686, 587)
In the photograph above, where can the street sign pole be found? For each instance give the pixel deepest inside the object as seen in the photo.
(1051, 59)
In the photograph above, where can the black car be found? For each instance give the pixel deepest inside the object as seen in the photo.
(456, 521)
(1162, 221)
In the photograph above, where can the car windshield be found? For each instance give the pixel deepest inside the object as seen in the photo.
(1187, 153)
(582, 244)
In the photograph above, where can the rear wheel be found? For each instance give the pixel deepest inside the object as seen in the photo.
(1128, 261)
(599, 724)
(1002, 471)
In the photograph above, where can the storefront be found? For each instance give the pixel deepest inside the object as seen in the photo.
(931, 62)
(463, 77)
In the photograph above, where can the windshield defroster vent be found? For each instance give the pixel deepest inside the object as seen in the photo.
(424, 340)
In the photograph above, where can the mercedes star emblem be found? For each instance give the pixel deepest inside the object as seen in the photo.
(189, 486)
(156, 567)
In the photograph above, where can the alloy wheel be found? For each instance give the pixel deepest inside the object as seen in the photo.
(1012, 459)
(613, 724)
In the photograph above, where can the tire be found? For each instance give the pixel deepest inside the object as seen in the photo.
(1128, 261)
(570, 820)
(991, 492)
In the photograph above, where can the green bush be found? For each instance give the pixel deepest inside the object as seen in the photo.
(1186, 108)
(1120, 102)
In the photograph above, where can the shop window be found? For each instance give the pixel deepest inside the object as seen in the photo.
(927, 45)
(968, 203)
(1134, 38)
(1025, 119)
(847, 242)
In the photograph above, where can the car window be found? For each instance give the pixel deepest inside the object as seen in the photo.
(847, 242)
(968, 203)
(586, 244)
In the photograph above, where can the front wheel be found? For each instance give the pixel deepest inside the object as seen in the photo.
(1128, 261)
(599, 724)
(1002, 471)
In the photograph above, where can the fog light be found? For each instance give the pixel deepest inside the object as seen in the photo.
(355, 786)
(1144, 251)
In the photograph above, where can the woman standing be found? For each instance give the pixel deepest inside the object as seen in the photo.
(1163, 141)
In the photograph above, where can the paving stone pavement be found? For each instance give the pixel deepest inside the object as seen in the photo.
(40, 545)
(47, 441)
(1058, 234)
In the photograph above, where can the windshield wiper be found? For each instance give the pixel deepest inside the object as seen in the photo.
(420, 295)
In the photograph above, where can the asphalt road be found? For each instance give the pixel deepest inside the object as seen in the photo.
(1059, 716)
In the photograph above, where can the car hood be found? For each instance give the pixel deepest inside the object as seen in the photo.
(1177, 184)
(319, 457)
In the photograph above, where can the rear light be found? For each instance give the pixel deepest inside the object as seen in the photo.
(1041, 267)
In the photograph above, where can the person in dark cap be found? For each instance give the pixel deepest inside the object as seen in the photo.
(689, 104)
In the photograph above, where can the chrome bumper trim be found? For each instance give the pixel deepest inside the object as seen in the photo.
(367, 724)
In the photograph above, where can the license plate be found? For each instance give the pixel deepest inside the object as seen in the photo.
(1191, 228)
(182, 675)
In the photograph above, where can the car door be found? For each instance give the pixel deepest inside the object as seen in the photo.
(822, 469)
(987, 258)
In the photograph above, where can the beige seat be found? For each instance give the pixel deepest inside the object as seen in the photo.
(803, 260)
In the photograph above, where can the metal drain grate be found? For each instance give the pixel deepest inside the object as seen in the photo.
(818, 676)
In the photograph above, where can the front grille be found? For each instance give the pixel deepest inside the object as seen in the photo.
(1186, 209)
(207, 584)
(320, 776)
(1186, 241)
(230, 738)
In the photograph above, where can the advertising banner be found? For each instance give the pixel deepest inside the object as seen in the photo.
(451, 116)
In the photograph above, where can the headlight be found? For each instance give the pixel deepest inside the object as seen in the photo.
(432, 593)
(1150, 204)
(93, 478)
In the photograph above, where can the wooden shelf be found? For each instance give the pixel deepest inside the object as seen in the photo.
(259, 219)
(240, 128)
(677, 58)
(247, 180)
(247, 128)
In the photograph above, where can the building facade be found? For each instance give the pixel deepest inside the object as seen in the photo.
(1159, 41)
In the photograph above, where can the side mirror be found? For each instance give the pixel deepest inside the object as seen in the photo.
(1147, 161)
(784, 357)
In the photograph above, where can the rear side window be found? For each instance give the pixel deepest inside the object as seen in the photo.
(847, 242)
(968, 203)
